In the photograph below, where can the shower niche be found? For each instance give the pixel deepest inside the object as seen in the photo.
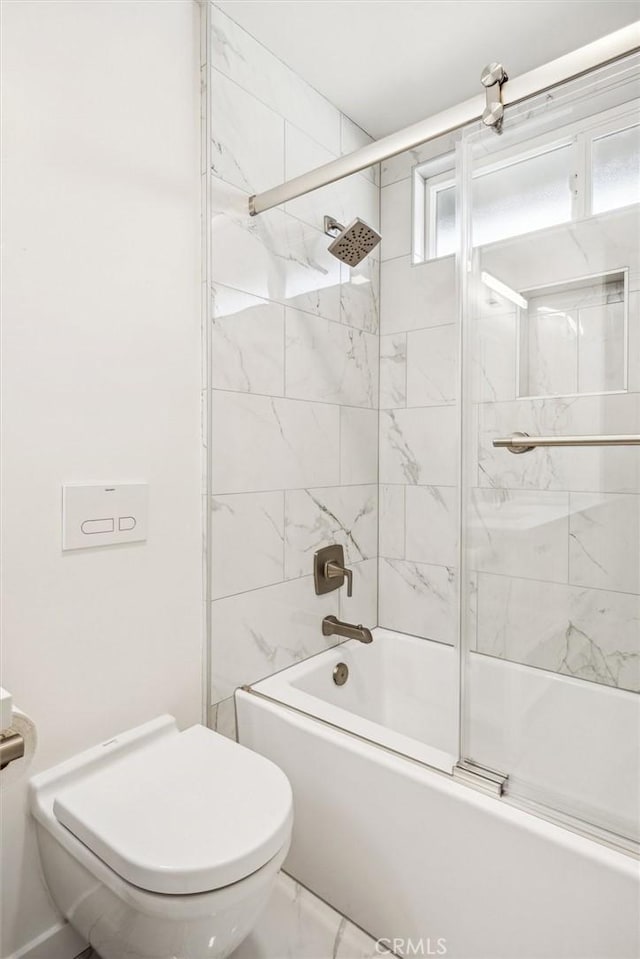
(572, 337)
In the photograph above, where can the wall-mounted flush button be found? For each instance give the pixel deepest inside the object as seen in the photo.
(94, 516)
(90, 526)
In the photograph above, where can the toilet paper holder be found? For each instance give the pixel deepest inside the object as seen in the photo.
(11, 747)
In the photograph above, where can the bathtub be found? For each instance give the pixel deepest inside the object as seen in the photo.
(419, 860)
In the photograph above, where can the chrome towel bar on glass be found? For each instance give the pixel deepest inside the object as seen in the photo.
(523, 443)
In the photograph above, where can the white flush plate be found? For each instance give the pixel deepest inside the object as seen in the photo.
(103, 515)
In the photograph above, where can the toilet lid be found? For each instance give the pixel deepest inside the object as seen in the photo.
(189, 813)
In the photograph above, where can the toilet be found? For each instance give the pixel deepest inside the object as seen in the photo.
(163, 844)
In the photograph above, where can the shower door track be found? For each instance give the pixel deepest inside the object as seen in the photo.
(572, 65)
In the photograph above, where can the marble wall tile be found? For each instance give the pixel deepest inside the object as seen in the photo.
(233, 111)
(358, 446)
(601, 348)
(362, 607)
(417, 296)
(607, 469)
(492, 357)
(238, 520)
(550, 356)
(393, 371)
(399, 167)
(241, 58)
(330, 362)
(269, 444)
(315, 518)
(418, 599)
(591, 634)
(598, 244)
(396, 219)
(392, 521)
(604, 541)
(432, 525)
(294, 370)
(222, 718)
(432, 366)
(354, 138)
(419, 446)
(260, 632)
(519, 533)
(247, 350)
(274, 256)
(360, 294)
(344, 200)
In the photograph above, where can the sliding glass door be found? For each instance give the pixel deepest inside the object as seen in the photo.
(550, 584)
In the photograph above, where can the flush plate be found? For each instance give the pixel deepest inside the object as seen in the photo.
(103, 515)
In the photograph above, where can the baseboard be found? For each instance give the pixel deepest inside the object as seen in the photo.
(59, 942)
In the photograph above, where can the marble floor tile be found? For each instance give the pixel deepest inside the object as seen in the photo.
(298, 925)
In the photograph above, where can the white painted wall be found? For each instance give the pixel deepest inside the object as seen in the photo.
(101, 374)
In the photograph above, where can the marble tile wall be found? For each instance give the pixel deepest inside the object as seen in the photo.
(293, 372)
(554, 535)
(418, 420)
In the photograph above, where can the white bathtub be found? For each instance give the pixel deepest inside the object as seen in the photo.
(407, 852)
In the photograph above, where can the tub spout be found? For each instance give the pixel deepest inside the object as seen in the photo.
(333, 627)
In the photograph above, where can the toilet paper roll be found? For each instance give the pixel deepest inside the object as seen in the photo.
(18, 770)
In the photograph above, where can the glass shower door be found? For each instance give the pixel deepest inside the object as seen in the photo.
(550, 595)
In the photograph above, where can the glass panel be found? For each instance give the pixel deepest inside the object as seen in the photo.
(446, 236)
(615, 170)
(550, 585)
(523, 196)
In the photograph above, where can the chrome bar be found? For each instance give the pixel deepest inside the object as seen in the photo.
(523, 443)
(11, 747)
(568, 67)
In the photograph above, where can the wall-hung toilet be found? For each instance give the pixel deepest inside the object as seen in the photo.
(163, 844)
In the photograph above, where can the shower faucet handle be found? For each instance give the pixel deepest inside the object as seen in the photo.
(329, 571)
(333, 570)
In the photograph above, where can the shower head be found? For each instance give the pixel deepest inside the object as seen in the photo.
(351, 243)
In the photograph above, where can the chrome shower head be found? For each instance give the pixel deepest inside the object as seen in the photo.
(351, 243)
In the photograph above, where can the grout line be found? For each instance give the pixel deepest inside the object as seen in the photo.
(297, 579)
(265, 301)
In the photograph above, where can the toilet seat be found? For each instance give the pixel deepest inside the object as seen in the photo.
(189, 813)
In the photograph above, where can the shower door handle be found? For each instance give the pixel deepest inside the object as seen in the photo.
(523, 443)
